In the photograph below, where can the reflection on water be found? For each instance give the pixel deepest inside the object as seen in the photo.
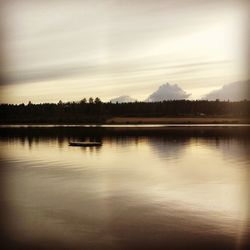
(131, 193)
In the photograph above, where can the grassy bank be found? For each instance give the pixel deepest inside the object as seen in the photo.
(177, 120)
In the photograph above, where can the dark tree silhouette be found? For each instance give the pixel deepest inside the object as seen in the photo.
(96, 111)
(83, 101)
(97, 100)
(91, 100)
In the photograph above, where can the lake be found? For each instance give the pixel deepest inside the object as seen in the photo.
(171, 189)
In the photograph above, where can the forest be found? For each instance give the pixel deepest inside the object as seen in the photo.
(96, 111)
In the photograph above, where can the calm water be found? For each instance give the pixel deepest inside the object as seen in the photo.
(141, 192)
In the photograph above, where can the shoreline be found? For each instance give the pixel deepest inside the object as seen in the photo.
(141, 126)
(156, 121)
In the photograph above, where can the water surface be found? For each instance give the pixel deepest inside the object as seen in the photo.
(133, 192)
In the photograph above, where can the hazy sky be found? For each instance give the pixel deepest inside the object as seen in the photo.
(73, 49)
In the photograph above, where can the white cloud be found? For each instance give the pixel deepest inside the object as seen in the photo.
(123, 99)
(235, 91)
(167, 92)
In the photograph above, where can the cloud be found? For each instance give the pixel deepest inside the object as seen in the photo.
(167, 92)
(123, 99)
(235, 91)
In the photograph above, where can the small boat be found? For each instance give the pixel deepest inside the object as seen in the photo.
(85, 144)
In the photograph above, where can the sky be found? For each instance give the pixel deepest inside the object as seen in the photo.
(67, 50)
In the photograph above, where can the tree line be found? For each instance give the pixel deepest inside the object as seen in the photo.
(94, 110)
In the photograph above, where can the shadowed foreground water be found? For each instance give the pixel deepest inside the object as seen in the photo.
(133, 192)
